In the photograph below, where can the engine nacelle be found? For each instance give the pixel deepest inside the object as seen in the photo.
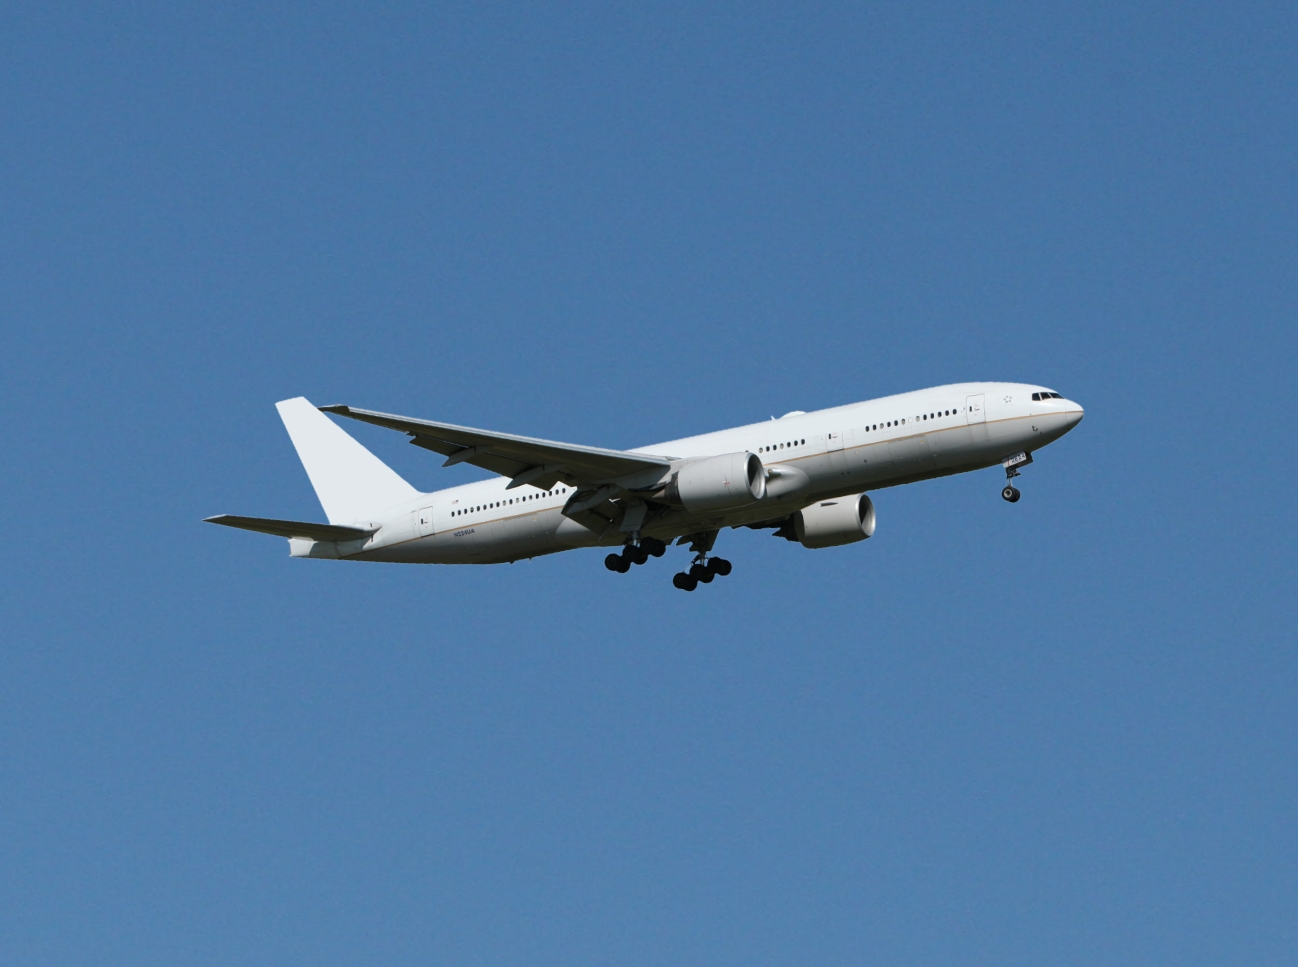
(718, 483)
(828, 523)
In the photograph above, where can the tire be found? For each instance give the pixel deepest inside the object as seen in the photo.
(613, 562)
(720, 565)
(637, 555)
(655, 547)
(702, 573)
(1011, 494)
(684, 581)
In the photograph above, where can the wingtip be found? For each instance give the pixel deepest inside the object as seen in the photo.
(335, 408)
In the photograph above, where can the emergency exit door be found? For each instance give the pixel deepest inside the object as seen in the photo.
(974, 412)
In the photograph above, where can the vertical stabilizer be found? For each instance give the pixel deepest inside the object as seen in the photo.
(351, 482)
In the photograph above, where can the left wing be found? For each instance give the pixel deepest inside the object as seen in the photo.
(541, 463)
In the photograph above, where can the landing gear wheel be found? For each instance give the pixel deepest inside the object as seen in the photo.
(654, 546)
(684, 581)
(720, 566)
(636, 554)
(702, 573)
(616, 562)
(1011, 494)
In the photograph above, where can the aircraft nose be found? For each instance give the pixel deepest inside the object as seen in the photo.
(1074, 414)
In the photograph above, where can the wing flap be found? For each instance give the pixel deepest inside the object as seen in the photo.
(508, 454)
(291, 528)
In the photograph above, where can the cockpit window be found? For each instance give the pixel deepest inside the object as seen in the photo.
(1037, 397)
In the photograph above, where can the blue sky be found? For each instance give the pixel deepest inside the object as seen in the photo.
(1060, 732)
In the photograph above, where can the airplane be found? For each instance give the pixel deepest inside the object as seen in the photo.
(804, 476)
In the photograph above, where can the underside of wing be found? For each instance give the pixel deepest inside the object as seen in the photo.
(541, 463)
(291, 528)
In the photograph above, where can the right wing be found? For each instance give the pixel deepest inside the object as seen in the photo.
(291, 528)
(527, 460)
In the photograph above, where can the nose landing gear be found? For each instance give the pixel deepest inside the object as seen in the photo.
(1011, 465)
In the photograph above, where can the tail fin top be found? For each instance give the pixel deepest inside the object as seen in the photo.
(350, 481)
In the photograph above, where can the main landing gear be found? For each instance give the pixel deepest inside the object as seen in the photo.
(635, 554)
(701, 572)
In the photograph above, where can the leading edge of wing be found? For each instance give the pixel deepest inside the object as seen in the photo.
(507, 453)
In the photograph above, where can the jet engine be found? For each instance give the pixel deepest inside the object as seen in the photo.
(717, 483)
(828, 523)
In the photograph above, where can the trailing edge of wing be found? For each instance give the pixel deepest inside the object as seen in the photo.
(291, 528)
(509, 455)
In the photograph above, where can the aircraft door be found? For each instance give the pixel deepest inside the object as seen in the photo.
(974, 411)
(425, 520)
(837, 458)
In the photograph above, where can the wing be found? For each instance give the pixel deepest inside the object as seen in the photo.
(528, 461)
(291, 528)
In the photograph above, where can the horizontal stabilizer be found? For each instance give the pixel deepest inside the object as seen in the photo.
(291, 528)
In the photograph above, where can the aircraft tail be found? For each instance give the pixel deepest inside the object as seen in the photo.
(350, 481)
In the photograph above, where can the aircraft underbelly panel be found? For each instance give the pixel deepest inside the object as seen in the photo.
(875, 462)
(911, 455)
(952, 446)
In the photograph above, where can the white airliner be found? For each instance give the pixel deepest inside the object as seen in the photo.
(805, 475)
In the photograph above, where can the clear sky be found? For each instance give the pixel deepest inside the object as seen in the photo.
(1059, 732)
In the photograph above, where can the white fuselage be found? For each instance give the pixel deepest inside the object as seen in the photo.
(845, 450)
